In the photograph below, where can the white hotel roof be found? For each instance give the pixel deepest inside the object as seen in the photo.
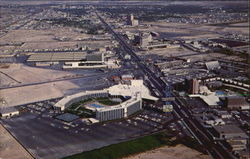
(130, 90)
(136, 88)
(211, 99)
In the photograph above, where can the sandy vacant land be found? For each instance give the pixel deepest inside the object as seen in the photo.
(175, 30)
(189, 31)
(6, 81)
(227, 28)
(185, 54)
(166, 152)
(48, 39)
(40, 92)
(240, 24)
(22, 74)
(168, 52)
(10, 148)
(29, 94)
(43, 83)
(41, 39)
(48, 45)
(41, 35)
(210, 57)
(57, 83)
(204, 28)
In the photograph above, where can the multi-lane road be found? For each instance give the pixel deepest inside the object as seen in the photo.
(157, 82)
(200, 133)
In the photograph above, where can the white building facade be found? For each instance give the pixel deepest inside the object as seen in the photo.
(136, 93)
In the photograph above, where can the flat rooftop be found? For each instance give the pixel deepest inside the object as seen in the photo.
(4, 110)
(130, 90)
(229, 129)
(210, 100)
(67, 117)
(63, 56)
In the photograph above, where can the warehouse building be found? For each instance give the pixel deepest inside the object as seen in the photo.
(73, 60)
(236, 102)
(237, 145)
(212, 65)
(6, 112)
(95, 60)
(56, 57)
(229, 132)
(236, 138)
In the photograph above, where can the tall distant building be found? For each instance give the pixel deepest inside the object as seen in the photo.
(132, 21)
(192, 86)
(145, 39)
(130, 18)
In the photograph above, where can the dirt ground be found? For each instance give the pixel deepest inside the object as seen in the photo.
(168, 52)
(19, 74)
(47, 39)
(10, 148)
(29, 94)
(177, 30)
(190, 31)
(166, 152)
(211, 56)
(41, 35)
(242, 28)
(185, 54)
(22, 74)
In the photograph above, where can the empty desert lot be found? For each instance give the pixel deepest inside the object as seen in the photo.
(41, 35)
(10, 148)
(48, 39)
(167, 152)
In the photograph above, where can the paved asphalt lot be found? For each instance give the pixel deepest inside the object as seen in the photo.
(48, 138)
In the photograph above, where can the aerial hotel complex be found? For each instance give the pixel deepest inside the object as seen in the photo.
(132, 95)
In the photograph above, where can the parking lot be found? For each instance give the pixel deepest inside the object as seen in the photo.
(47, 137)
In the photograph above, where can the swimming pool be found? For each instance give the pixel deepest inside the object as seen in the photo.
(96, 105)
(220, 93)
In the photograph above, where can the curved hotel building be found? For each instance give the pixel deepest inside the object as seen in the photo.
(134, 93)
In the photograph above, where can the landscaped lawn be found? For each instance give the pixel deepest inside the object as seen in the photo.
(126, 148)
(76, 104)
(106, 101)
(77, 109)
